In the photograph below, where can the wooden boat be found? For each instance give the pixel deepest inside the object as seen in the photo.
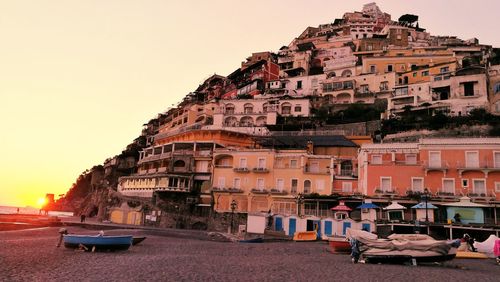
(339, 245)
(305, 236)
(98, 242)
(137, 240)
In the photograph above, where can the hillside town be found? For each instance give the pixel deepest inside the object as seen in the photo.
(367, 122)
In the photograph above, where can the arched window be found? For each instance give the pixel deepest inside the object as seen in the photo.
(332, 74)
(246, 121)
(231, 122)
(261, 121)
(229, 109)
(179, 163)
(248, 108)
(307, 186)
(346, 73)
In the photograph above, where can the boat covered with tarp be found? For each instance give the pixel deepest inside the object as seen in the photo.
(399, 248)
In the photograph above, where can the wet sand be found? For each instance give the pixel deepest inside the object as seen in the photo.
(31, 255)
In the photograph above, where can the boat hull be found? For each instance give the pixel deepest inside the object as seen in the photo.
(305, 236)
(402, 259)
(98, 243)
(339, 245)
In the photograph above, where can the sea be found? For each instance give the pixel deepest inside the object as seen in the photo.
(30, 210)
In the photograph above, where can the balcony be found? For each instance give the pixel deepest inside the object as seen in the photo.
(275, 191)
(312, 170)
(386, 192)
(436, 166)
(259, 191)
(241, 169)
(482, 196)
(443, 193)
(260, 170)
(469, 94)
(483, 166)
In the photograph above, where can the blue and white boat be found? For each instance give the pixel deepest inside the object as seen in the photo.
(98, 242)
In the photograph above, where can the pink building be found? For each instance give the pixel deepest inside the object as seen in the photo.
(448, 168)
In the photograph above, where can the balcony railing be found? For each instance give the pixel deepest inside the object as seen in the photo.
(380, 191)
(260, 170)
(241, 169)
(436, 165)
(259, 191)
(316, 170)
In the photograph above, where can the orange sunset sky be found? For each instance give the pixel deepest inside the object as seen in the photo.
(79, 78)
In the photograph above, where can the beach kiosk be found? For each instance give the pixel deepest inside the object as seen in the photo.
(341, 215)
(424, 211)
(467, 211)
(395, 212)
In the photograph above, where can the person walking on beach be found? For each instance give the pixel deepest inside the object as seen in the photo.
(82, 218)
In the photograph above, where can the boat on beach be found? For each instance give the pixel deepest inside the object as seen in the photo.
(400, 248)
(339, 245)
(98, 242)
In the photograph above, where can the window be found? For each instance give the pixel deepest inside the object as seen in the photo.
(299, 84)
(417, 184)
(237, 183)
(497, 186)
(389, 68)
(444, 69)
(260, 184)
(496, 157)
(385, 184)
(320, 185)
(307, 186)
(314, 167)
(468, 89)
(261, 163)
(465, 183)
(376, 159)
(248, 108)
(479, 186)
(425, 73)
(364, 88)
(472, 159)
(347, 187)
(243, 163)
(449, 186)
(295, 184)
(435, 159)
(280, 183)
(298, 108)
(373, 69)
(411, 159)
(414, 74)
(384, 86)
(221, 182)
(293, 163)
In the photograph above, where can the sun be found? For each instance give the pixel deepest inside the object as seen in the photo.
(40, 202)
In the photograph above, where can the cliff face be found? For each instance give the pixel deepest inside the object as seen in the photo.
(95, 189)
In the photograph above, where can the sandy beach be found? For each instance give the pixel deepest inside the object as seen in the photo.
(31, 255)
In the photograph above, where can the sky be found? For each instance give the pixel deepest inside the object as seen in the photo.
(78, 79)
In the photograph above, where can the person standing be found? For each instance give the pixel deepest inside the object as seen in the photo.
(82, 218)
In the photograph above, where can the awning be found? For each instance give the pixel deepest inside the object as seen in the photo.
(341, 207)
(465, 202)
(368, 206)
(422, 206)
(394, 206)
